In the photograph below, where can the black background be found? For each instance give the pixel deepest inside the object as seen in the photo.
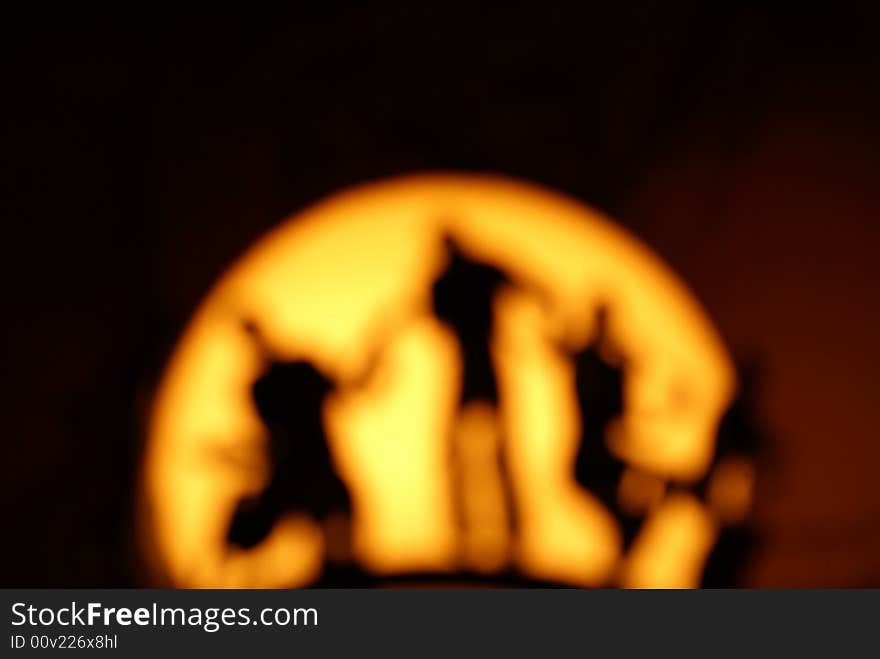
(144, 149)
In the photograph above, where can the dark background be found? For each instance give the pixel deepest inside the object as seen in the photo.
(143, 150)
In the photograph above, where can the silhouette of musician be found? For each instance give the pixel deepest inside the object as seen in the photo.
(739, 435)
(599, 381)
(462, 298)
(290, 398)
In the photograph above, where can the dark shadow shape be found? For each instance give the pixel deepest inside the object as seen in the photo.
(739, 434)
(290, 397)
(462, 299)
(599, 382)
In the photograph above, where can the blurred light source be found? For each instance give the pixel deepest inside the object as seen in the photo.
(346, 285)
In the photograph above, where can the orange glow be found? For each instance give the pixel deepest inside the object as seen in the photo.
(486, 540)
(347, 281)
(639, 492)
(731, 488)
(672, 548)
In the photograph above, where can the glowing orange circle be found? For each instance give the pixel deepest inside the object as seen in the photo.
(323, 284)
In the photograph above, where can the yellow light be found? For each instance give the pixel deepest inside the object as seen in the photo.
(347, 281)
(672, 548)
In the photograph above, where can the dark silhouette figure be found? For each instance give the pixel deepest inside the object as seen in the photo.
(739, 434)
(462, 298)
(599, 378)
(289, 397)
